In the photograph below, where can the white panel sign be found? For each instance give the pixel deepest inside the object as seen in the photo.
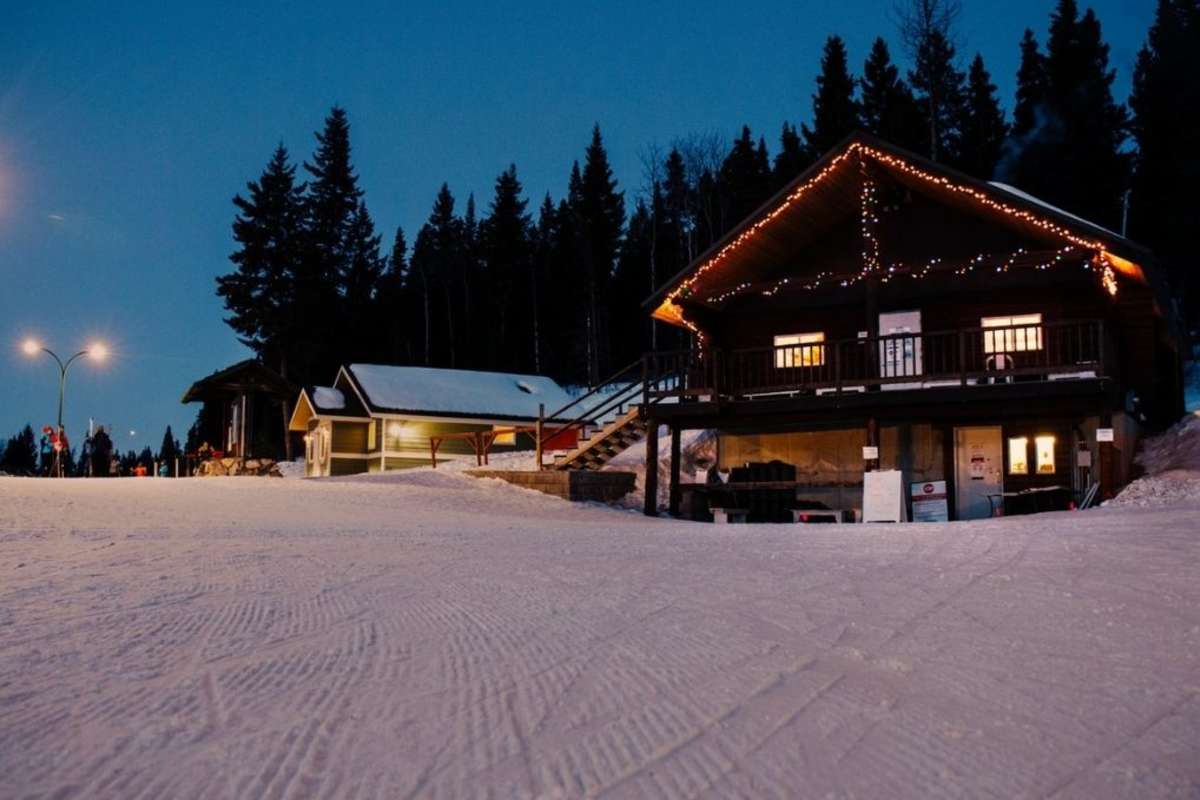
(1104, 434)
(929, 502)
(883, 496)
(870, 453)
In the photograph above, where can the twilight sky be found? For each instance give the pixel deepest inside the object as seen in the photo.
(126, 128)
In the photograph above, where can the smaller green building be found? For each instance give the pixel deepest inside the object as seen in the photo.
(377, 417)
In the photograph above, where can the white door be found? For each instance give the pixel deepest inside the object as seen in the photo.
(900, 357)
(978, 471)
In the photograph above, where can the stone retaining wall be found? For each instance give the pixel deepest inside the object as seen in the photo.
(605, 487)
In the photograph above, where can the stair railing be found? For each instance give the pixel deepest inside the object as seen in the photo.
(579, 414)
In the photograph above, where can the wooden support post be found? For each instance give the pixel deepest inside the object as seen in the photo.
(948, 471)
(1107, 459)
(434, 443)
(650, 507)
(538, 434)
(676, 493)
(870, 465)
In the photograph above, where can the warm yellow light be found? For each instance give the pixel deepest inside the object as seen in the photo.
(31, 347)
(97, 351)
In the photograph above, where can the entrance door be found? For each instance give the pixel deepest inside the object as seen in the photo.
(978, 470)
(900, 356)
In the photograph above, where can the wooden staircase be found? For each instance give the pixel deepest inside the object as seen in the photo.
(617, 435)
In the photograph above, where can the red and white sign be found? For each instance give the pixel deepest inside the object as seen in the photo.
(929, 502)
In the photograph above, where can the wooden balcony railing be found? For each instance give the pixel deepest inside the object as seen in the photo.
(968, 357)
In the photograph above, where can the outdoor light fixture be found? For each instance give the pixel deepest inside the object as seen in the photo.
(97, 350)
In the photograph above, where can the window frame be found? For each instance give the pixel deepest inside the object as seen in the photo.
(1013, 333)
(807, 350)
(1024, 462)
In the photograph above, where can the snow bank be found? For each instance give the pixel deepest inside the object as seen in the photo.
(1171, 461)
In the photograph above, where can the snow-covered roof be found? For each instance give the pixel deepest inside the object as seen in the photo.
(457, 392)
(1026, 196)
(327, 398)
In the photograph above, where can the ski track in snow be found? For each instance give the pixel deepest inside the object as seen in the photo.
(425, 634)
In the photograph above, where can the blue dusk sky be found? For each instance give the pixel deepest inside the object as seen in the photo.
(126, 128)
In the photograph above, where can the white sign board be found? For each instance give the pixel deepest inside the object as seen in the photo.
(929, 502)
(883, 496)
(870, 453)
(1104, 434)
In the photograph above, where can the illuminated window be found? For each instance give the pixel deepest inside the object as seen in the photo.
(1018, 455)
(1045, 454)
(1016, 334)
(799, 350)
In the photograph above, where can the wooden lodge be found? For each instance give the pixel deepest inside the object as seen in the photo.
(245, 411)
(376, 417)
(884, 312)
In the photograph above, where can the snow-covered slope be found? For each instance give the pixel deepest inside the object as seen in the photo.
(1171, 462)
(427, 634)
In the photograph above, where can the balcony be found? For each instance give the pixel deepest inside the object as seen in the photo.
(969, 357)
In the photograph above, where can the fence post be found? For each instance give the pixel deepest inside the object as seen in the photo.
(538, 434)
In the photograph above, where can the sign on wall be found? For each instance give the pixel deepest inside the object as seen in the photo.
(870, 453)
(1104, 434)
(929, 502)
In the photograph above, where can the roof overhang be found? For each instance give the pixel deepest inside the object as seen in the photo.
(829, 191)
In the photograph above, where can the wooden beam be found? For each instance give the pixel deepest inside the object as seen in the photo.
(650, 507)
(675, 493)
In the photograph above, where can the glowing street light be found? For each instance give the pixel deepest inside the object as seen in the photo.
(97, 351)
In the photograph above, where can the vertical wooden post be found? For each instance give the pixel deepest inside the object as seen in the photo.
(676, 493)
(948, 471)
(537, 446)
(1106, 457)
(650, 507)
(870, 465)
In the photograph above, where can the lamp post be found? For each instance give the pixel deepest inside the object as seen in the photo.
(96, 351)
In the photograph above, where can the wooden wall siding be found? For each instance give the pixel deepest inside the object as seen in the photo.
(415, 437)
(349, 437)
(347, 466)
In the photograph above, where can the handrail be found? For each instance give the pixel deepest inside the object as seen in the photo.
(588, 414)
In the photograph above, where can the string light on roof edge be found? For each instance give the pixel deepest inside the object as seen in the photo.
(1102, 263)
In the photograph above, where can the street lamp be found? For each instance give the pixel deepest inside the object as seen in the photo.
(96, 351)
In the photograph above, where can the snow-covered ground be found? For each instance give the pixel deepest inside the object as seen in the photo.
(428, 634)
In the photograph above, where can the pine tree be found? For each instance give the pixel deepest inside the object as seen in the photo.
(835, 111)
(21, 453)
(981, 126)
(260, 293)
(168, 451)
(438, 261)
(1164, 209)
(889, 109)
(359, 282)
(1031, 87)
(599, 211)
(507, 264)
(391, 313)
(332, 212)
(678, 210)
(791, 160)
(745, 179)
(1073, 156)
(939, 93)
(630, 326)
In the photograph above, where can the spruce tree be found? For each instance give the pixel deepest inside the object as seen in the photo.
(599, 211)
(332, 212)
(260, 293)
(981, 126)
(938, 86)
(791, 160)
(678, 209)
(168, 451)
(438, 256)
(393, 313)
(507, 265)
(1073, 156)
(745, 179)
(359, 282)
(835, 111)
(630, 326)
(21, 453)
(1164, 208)
(889, 109)
(1031, 87)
